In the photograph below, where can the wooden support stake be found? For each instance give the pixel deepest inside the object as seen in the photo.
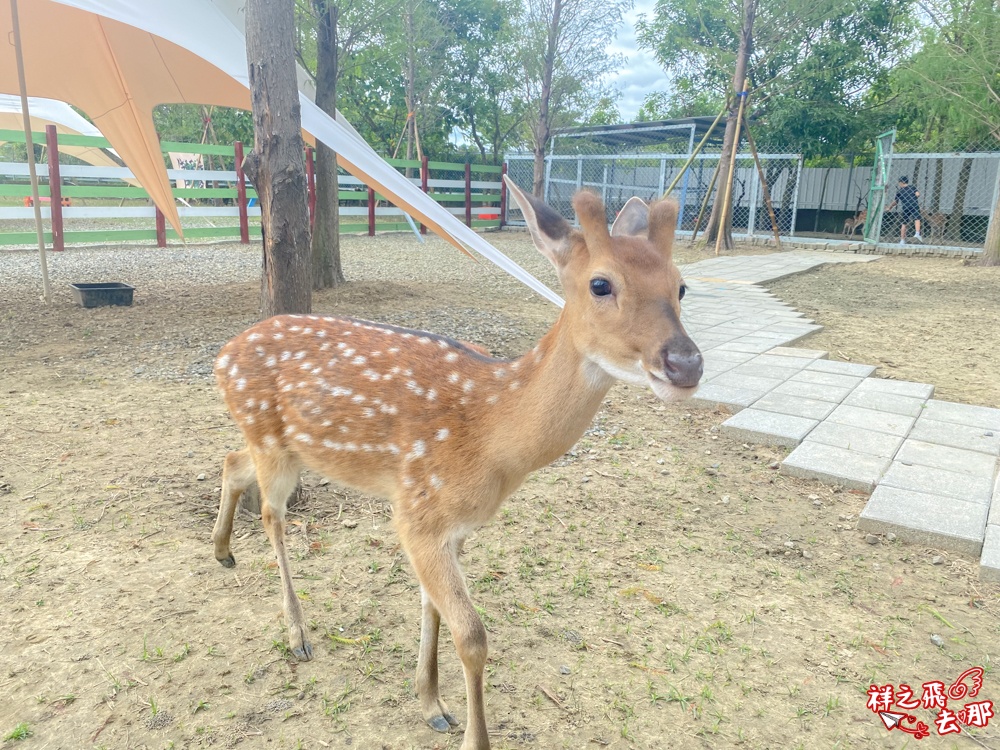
(503, 196)
(423, 183)
(697, 150)
(55, 188)
(468, 194)
(241, 193)
(763, 183)
(311, 185)
(161, 228)
(704, 202)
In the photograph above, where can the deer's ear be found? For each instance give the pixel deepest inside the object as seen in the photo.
(662, 225)
(549, 231)
(633, 219)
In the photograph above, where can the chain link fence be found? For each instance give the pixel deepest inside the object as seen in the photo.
(959, 191)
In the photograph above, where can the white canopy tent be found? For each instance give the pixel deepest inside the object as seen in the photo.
(64, 117)
(165, 51)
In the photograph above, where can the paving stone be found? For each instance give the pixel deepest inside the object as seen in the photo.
(976, 416)
(939, 482)
(709, 395)
(768, 428)
(737, 358)
(799, 407)
(816, 391)
(869, 399)
(790, 351)
(925, 518)
(754, 370)
(897, 387)
(956, 435)
(943, 457)
(870, 419)
(995, 503)
(856, 439)
(791, 364)
(827, 463)
(989, 563)
(842, 368)
(732, 380)
(827, 378)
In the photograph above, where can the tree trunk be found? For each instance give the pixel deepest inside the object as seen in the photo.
(953, 226)
(991, 248)
(277, 164)
(326, 269)
(542, 132)
(716, 221)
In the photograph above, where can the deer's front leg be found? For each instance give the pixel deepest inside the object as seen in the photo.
(434, 710)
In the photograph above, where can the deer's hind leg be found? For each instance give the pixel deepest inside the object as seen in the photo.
(277, 476)
(238, 474)
(433, 709)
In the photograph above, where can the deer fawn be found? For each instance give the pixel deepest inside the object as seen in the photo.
(852, 223)
(445, 432)
(935, 224)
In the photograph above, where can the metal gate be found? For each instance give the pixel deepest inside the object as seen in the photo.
(880, 179)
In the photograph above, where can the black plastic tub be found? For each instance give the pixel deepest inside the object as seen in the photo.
(105, 293)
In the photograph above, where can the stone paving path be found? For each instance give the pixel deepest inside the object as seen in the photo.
(930, 465)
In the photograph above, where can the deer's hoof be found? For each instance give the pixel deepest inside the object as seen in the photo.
(228, 561)
(303, 652)
(442, 722)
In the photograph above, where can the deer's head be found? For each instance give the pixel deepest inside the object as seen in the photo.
(623, 291)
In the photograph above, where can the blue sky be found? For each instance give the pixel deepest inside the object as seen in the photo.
(642, 73)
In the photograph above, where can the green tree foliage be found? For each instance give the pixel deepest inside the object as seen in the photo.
(811, 64)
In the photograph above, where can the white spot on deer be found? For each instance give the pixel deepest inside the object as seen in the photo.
(436, 482)
(500, 373)
(270, 441)
(222, 363)
(359, 360)
(254, 337)
(271, 361)
(350, 446)
(424, 340)
(358, 398)
(451, 356)
(367, 412)
(394, 350)
(317, 370)
(388, 409)
(408, 372)
(278, 336)
(515, 365)
(321, 333)
(332, 362)
(325, 423)
(295, 329)
(376, 354)
(307, 330)
(325, 347)
(395, 370)
(442, 343)
(356, 323)
(515, 385)
(331, 445)
(349, 352)
(408, 481)
(454, 377)
(285, 356)
(313, 317)
(316, 411)
(367, 447)
(276, 322)
(308, 366)
(341, 345)
(432, 395)
(468, 385)
(233, 370)
(339, 391)
(443, 433)
(289, 429)
(417, 451)
(304, 438)
(492, 399)
(393, 449)
(249, 419)
(412, 386)
(302, 384)
(261, 351)
(251, 402)
(300, 355)
(287, 387)
(406, 335)
(371, 375)
(344, 429)
(264, 405)
(387, 376)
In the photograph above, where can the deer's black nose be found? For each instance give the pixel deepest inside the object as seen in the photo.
(682, 362)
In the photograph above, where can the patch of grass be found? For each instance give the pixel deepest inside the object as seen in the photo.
(21, 732)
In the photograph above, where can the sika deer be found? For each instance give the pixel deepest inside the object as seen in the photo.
(852, 223)
(444, 432)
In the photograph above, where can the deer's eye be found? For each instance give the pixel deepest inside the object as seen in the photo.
(682, 292)
(600, 287)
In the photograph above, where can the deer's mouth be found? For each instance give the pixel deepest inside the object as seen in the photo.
(667, 391)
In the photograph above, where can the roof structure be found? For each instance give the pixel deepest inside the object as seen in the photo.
(634, 135)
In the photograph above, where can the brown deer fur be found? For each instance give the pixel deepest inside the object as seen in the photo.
(444, 431)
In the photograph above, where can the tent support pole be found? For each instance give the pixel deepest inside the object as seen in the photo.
(30, 146)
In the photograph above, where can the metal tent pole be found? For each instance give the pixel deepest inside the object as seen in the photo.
(30, 146)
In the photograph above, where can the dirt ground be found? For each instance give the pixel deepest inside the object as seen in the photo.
(659, 586)
(921, 319)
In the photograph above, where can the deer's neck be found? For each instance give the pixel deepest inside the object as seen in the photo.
(549, 398)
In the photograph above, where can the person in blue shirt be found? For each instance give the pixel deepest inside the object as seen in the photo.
(906, 197)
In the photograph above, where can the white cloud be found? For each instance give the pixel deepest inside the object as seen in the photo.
(642, 73)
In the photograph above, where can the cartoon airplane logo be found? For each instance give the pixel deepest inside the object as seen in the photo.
(893, 720)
